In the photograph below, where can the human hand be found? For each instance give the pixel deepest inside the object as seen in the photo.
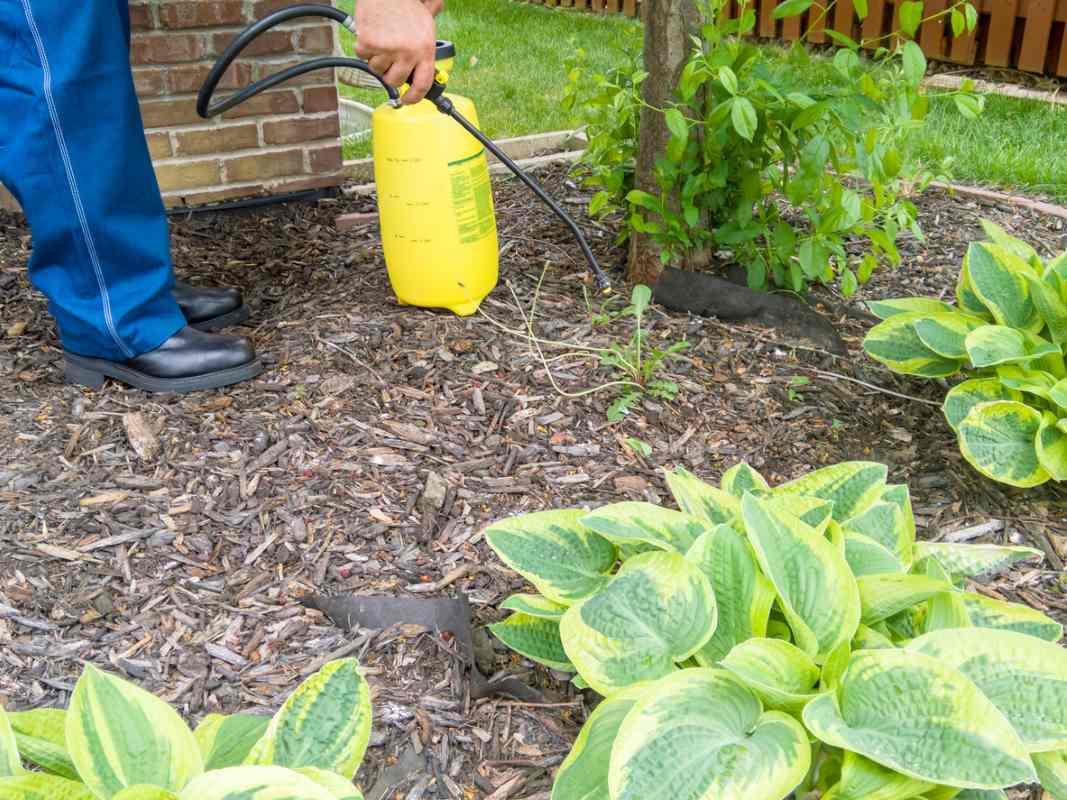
(398, 38)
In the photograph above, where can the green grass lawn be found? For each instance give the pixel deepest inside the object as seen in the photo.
(509, 60)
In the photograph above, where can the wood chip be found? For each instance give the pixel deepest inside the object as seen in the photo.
(141, 436)
(104, 498)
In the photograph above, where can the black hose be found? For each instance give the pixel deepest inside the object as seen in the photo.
(436, 95)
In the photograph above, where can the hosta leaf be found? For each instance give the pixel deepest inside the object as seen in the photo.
(883, 596)
(10, 763)
(583, 775)
(534, 637)
(964, 396)
(743, 596)
(533, 605)
(895, 343)
(1052, 771)
(976, 794)
(946, 611)
(974, 560)
(782, 675)
(663, 528)
(852, 486)
(919, 716)
(884, 309)
(702, 500)
(809, 510)
(38, 786)
(999, 440)
(863, 779)
(732, 749)
(990, 345)
(1052, 447)
(987, 612)
(741, 478)
(551, 549)
(870, 639)
(659, 610)
(1057, 393)
(119, 735)
(225, 741)
(1050, 305)
(42, 740)
(815, 587)
(145, 792)
(338, 787)
(886, 524)
(996, 275)
(946, 333)
(1018, 247)
(255, 783)
(904, 536)
(833, 669)
(968, 299)
(324, 723)
(1025, 677)
(865, 556)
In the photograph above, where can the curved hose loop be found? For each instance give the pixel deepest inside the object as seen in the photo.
(206, 109)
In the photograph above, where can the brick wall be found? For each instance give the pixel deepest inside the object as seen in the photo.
(287, 139)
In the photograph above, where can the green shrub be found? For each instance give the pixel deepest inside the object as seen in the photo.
(763, 641)
(761, 162)
(1007, 335)
(119, 742)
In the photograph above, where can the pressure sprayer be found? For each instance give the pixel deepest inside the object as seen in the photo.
(435, 202)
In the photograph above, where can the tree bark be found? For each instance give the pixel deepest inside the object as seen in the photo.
(668, 26)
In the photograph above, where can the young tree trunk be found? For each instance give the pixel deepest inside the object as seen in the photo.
(668, 26)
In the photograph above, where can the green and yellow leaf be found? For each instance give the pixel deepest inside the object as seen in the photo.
(254, 783)
(10, 762)
(965, 396)
(946, 611)
(966, 297)
(553, 551)
(584, 773)
(119, 735)
(884, 309)
(630, 522)
(920, 717)
(732, 749)
(39, 786)
(337, 786)
(702, 500)
(1057, 393)
(974, 560)
(997, 277)
(1024, 677)
(895, 343)
(1017, 247)
(1026, 379)
(863, 779)
(865, 556)
(536, 638)
(324, 723)
(993, 345)
(741, 478)
(815, 586)
(869, 639)
(42, 740)
(1050, 305)
(1052, 447)
(883, 596)
(946, 333)
(743, 596)
(534, 605)
(852, 486)
(659, 610)
(987, 612)
(225, 741)
(782, 675)
(999, 440)
(145, 792)
(1052, 772)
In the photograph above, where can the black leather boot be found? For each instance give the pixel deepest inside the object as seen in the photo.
(210, 308)
(188, 361)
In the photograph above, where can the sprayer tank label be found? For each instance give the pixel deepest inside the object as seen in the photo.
(472, 197)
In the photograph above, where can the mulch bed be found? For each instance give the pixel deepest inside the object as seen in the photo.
(381, 442)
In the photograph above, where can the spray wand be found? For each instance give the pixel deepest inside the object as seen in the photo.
(436, 95)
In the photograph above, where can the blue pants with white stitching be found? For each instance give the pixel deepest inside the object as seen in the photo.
(73, 152)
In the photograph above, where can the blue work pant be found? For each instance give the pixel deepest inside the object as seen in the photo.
(73, 152)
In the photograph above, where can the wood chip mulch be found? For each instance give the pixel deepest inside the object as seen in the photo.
(171, 538)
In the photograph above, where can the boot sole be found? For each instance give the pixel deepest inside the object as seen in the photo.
(229, 319)
(91, 372)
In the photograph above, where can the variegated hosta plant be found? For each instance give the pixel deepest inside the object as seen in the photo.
(1006, 334)
(119, 742)
(762, 642)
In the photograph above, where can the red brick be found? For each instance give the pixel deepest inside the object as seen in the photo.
(261, 8)
(280, 102)
(141, 17)
(269, 43)
(201, 13)
(265, 165)
(320, 98)
(325, 159)
(148, 81)
(188, 175)
(188, 78)
(291, 131)
(320, 77)
(315, 40)
(159, 145)
(167, 48)
(217, 140)
(165, 113)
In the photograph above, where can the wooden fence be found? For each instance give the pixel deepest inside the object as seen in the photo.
(1028, 35)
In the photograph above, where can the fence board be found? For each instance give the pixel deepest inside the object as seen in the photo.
(1001, 34)
(1036, 35)
(874, 23)
(791, 27)
(1061, 66)
(612, 6)
(629, 8)
(767, 28)
(845, 18)
(932, 33)
(817, 24)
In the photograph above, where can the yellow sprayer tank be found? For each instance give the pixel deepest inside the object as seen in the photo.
(435, 203)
